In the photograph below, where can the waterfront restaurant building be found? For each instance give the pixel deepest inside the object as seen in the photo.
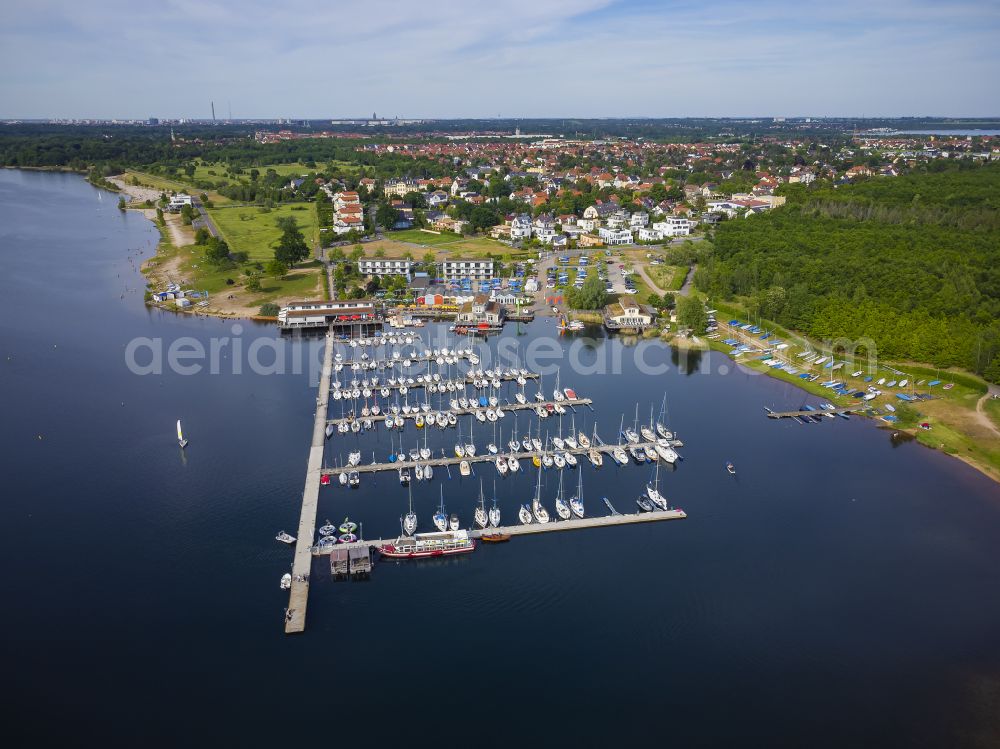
(343, 313)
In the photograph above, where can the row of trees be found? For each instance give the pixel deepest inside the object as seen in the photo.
(912, 263)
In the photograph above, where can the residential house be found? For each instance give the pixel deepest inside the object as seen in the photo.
(674, 226)
(520, 227)
(586, 240)
(614, 236)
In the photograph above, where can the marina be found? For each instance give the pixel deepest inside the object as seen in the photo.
(352, 557)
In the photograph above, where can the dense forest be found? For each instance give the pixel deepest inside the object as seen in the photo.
(911, 262)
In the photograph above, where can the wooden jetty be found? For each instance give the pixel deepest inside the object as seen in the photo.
(817, 412)
(598, 521)
(295, 615)
(468, 411)
(452, 460)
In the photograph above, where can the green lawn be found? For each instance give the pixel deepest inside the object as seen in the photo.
(992, 408)
(254, 232)
(667, 277)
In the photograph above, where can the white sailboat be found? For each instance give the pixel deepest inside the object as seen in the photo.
(562, 507)
(540, 513)
(480, 515)
(440, 518)
(180, 436)
(494, 510)
(576, 502)
(410, 521)
(653, 490)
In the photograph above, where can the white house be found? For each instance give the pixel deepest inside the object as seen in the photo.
(520, 227)
(618, 220)
(614, 236)
(674, 226)
(648, 234)
(638, 219)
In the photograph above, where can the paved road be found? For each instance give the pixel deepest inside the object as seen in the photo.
(205, 219)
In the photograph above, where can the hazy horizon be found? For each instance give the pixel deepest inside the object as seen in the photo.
(512, 58)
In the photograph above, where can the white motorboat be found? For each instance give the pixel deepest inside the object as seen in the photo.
(286, 581)
(180, 436)
(285, 538)
(464, 468)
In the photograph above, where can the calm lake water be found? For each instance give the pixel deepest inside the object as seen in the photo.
(840, 591)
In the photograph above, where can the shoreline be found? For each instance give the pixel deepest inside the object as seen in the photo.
(914, 432)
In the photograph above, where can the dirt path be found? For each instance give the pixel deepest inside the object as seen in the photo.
(982, 416)
(641, 270)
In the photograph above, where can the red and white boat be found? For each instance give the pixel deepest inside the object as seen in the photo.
(570, 394)
(423, 545)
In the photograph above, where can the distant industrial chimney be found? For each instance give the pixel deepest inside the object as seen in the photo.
(213, 111)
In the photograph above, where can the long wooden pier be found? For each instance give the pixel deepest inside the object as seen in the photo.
(598, 521)
(452, 460)
(295, 615)
(459, 412)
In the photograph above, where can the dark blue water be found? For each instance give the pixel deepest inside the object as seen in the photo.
(839, 591)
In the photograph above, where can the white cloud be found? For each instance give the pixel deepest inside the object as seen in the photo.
(519, 57)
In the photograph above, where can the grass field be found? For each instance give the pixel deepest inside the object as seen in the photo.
(418, 243)
(254, 232)
(667, 277)
(156, 183)
(188, 267)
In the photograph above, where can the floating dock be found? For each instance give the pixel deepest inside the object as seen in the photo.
(452, 460)
(817, 412)
(459, 412)
(599, 521)
(460, 382)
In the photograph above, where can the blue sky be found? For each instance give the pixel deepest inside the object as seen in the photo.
(516, 58)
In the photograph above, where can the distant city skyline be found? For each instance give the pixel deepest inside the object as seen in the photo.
(513, 58)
